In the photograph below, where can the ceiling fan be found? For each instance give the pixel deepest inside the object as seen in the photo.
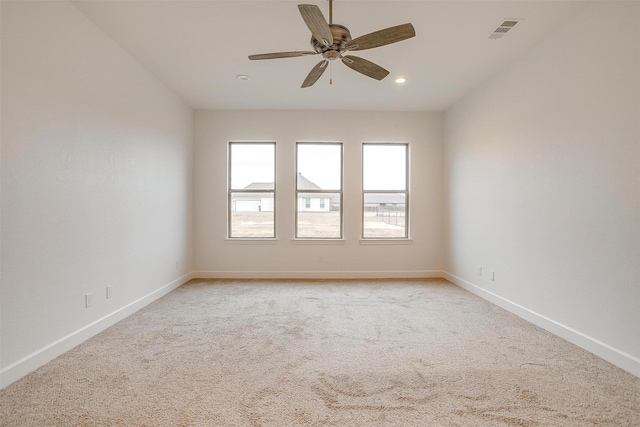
(332, 41)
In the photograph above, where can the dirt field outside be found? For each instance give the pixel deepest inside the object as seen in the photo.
(383, 226)
(315, 225)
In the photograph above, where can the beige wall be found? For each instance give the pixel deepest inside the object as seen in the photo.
(542, 184)
(96, 183)
(217, 257)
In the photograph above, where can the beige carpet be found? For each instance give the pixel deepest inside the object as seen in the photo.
(375, 353)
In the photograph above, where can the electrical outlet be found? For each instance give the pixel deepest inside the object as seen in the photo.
(88, 300)
(108, 295)
(493, 276)
(479, 270)
(177, 264)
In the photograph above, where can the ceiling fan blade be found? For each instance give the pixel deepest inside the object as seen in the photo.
(315, 73)
(277, 55)
(382, 37)
(365, 67)
(316, 22)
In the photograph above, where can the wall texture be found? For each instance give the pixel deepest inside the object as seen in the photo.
(217, 257)
(96, 183)
(542, 184)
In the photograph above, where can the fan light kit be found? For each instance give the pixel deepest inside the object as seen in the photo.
(332, 41)
(401, 80)
(243, 77)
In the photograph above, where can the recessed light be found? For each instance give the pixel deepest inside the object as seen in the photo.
(401, 80)
(243, 77)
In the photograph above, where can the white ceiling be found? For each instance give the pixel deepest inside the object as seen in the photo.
(197, 48)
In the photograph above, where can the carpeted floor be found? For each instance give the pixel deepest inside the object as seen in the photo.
(323, 353)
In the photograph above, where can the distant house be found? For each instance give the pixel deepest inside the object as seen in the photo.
(312, 202)
(382, 203)
(253, 202)
(307, 202)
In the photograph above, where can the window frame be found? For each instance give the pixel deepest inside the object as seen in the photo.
(406, 191)
(333, 191)
(231, 190)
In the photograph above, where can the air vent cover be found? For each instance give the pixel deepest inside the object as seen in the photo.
(510, 24)
(506, 26)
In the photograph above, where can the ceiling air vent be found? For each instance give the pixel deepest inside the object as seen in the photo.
(503, 28)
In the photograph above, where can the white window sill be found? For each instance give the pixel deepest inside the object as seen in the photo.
(318, 241)
(386, 241)
(249, 241)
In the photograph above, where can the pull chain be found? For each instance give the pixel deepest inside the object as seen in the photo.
(330, 73)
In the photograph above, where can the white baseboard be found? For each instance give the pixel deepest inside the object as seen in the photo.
(404, 274)
(30, 363)
(617, 357)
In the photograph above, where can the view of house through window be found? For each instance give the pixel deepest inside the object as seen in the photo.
(319, 181)
(385, 191)
(319, 191)
(251, 192)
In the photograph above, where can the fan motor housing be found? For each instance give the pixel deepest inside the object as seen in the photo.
(341, 36)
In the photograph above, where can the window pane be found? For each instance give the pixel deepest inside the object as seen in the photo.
(319, 216)
(319, 166)
(252, 215)
(319, 190)
(385, 215)
(252, 165)
(252, 169)
(384, 167)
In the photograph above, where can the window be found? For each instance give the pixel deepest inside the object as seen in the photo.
(385, 183)
(318, 191)
(251, 191)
